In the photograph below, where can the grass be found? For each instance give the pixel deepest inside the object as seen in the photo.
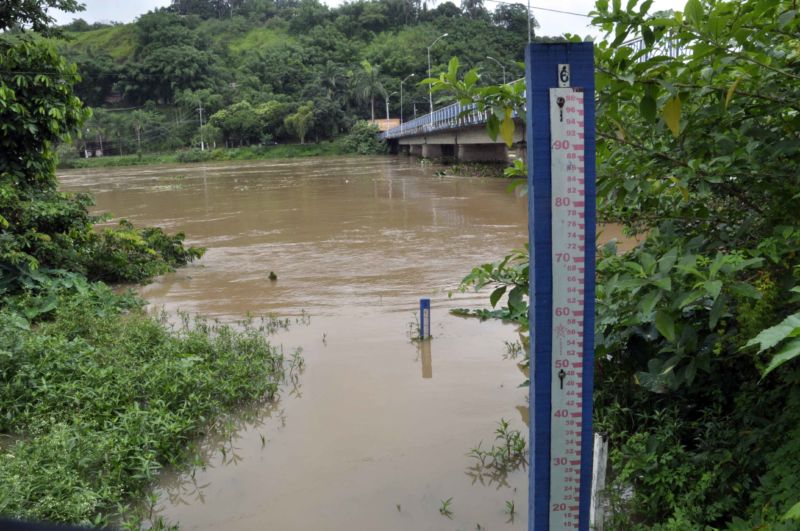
(98, 398)
(282, 151)
(259, 38)
(445, 508)
(118, 41)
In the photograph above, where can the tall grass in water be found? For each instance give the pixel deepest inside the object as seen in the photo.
(99, 397)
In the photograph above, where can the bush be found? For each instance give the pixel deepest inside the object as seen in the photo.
(99, 399)
(195, 155)
(128, 254)
(363, 139)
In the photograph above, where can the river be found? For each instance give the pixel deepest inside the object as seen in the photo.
(374, 433)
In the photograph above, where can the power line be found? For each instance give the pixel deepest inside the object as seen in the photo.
(560, 11)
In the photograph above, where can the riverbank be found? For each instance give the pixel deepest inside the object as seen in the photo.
(283, 151)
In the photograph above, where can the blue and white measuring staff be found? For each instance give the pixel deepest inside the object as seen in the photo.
(561, 147)
(424, 318)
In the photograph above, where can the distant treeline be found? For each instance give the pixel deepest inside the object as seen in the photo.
(267, 71)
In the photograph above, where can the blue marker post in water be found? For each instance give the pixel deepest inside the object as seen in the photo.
(561, 150)
(424, 318)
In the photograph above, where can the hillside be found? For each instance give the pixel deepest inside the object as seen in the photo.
(253, 64)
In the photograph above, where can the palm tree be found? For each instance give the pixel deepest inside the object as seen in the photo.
(329, 78)
(369, 85)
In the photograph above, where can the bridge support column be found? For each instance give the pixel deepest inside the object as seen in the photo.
(482, 153)
(521, 150)
(432, 151)
(404, 149)
(415, 149)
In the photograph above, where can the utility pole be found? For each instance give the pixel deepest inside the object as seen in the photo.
(401, 102)
(500, 65)
(529, 21)
(430, 87)
(202, 144)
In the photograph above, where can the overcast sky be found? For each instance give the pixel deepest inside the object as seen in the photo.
(551, 23)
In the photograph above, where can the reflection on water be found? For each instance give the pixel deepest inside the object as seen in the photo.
(357, 439)
(425, 355)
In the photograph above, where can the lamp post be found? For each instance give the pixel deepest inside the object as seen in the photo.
(401, 100)
(387, 108)
(430, 91)
(500, 65)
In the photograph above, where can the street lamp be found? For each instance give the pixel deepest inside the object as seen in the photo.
(387, 108)
(401, 100)
(500, 65)
(430, 88)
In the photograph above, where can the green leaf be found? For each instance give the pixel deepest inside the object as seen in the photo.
(694, 11)
(785, 19)
(647, 35)
(713, 287)
(496, 295)
(793, 513)
(773, 335)
(471, 77)
(665, 325)
(716, 312)
(672, 115)
(743, 289)
(717, 264)
(649, 301)
(663, 283)
(690, 298)
(515, 302)
(690, 372)
(648, 108)
(671, 363)
(784, 355)
(668, 260)
(654, 382)
(452, 70)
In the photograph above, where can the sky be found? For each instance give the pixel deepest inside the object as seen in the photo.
(550, 23)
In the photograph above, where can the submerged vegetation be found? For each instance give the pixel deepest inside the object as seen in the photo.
(99, 396)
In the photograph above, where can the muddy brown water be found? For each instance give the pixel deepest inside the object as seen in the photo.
(373, 432)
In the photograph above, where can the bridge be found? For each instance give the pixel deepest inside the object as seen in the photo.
(455, 131)
(459, 131)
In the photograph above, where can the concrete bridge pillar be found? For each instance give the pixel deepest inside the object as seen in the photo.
(415, 149)
(482, 153)
(404, 149)
(432, 151)
(521, 150)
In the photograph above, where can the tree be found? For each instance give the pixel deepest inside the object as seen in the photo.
(33, 13)
(165, 72)
(39, 225)
(514, 18)
(329, 78)
(300, 121)
(369, 85)
(97, 76)
(474, 9)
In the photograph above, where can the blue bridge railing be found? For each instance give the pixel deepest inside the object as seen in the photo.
(456, 115)
(453, 116)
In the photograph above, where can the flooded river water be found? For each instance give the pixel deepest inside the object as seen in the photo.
(374, 433)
